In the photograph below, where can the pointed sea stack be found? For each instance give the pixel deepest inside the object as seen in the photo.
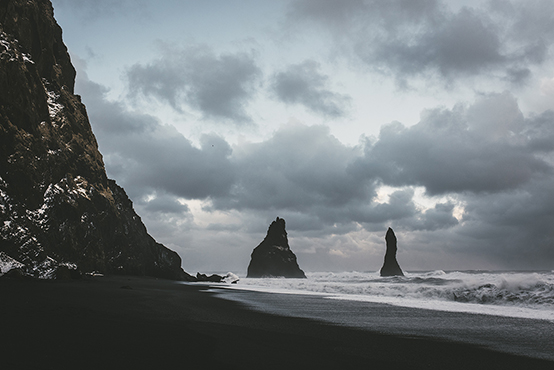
(59, 212)
(273, 257)
(391, 267)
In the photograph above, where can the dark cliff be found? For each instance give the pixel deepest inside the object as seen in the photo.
(273, 257)
(57, 206)
(390, 265)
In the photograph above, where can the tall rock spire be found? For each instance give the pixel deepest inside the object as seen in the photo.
(273, 257)
(390, 266)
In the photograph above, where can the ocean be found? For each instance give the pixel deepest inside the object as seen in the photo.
(516, 294)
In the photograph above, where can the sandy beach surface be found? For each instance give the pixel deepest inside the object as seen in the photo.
(121, 322)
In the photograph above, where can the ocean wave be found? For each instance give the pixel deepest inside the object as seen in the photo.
(530, 290)
(434, 273)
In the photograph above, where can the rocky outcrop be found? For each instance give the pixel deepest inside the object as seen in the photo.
(57, 206)
(214, 278)
(273, 257)
(391, 266)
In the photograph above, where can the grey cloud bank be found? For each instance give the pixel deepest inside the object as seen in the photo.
(217, 85)
(467, 185)
(497, 173)
(304, 84)
(152, 157)
(413, 38)
(460, 150)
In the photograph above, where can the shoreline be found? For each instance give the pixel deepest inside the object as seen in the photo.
(513, 312)
(496, 332)
(137, 322)
(508, 293)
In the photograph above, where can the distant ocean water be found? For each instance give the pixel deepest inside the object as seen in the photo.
(507, 293)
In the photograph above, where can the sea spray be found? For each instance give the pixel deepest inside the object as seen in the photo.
(507, 293)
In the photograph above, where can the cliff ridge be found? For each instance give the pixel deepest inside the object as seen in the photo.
(57, 205)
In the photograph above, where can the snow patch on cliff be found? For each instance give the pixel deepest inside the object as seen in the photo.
(8, 51)
(7, 263)
(54, 108)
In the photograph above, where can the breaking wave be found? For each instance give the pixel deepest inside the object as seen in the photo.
(527, 294)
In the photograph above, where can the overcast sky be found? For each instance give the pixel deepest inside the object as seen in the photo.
(435, 118)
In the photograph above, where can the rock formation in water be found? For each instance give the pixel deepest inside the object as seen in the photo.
(214, 278)
(390, 266)
(273, 257)
(58, 209)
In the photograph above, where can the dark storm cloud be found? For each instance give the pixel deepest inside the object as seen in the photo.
(512, 228)
(491, 160)
(439, 217)
(463, 44)
(147, 157)
(303, 84)
(491, 165)
(219, 86)
(298, 168)
(502, 230)
(540, 131)
(426, 38)
(303, 173)
(486, 151)
(481, 148)
(486, 157)
(518, 76)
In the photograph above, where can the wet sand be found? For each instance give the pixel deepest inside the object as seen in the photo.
(520, 336)
(144, 323)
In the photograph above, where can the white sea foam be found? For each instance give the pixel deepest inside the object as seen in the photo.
(513, 294)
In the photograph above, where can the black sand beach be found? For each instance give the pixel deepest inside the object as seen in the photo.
(144, 323)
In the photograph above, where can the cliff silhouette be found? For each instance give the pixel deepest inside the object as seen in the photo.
(273, 256)
(58, 209)
(390, 265)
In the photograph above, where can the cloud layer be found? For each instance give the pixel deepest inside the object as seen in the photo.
(490, 166)
(303, 84)
(465, 185)
(219, 86)
(481, 148)
(410, 39)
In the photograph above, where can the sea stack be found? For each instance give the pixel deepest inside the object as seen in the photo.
(273, 257)
(391, 267)
(59, 211)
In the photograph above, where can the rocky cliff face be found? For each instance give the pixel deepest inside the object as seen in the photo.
(391, 266)
(57, 206)
(273, 257)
